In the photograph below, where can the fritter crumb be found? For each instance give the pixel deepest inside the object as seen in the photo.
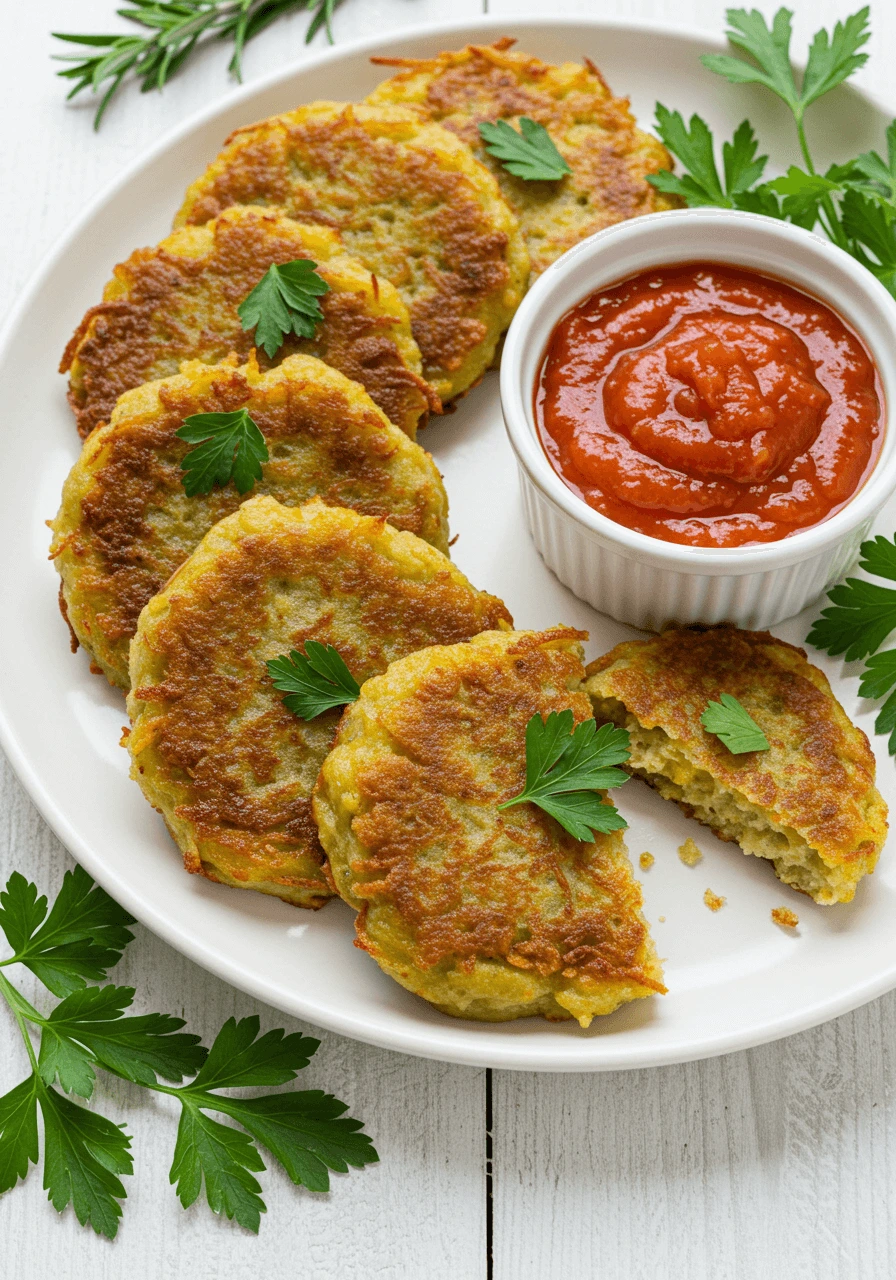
(689, 853)
(785, 917)
(647, 860)
(713, 900)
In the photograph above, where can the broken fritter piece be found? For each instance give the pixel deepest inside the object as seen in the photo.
(486, 913)
(808, 804)
(595, 133)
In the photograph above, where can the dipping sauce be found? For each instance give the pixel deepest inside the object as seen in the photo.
(709, 405)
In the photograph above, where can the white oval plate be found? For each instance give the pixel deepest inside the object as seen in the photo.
(734, 978)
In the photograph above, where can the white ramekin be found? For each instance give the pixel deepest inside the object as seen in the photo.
(643, 580)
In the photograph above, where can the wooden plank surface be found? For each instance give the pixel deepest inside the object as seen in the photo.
(775, 1162)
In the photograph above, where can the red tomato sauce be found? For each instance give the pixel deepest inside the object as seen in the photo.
(709, 405)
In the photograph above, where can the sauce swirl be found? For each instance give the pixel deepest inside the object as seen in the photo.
(709, 405)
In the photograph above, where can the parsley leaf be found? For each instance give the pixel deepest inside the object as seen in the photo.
(83, 1154)
(567, 766)
(83, 936)
(284, 300)
(229, 447)
(224, 1159)
(314, 681)
(306, 1131)
(871, 229)
(878, 680)
(832, 59)
(693, 145)
(88, 1028)
(858, 620)
(733, 726)
(529, 154)
(18, 1133)
(861, 614)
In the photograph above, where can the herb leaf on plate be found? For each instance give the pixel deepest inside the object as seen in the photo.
(733, 725)
(529, 153)
(314, 681)
(568, 766)
(285, 300)
(229, 446)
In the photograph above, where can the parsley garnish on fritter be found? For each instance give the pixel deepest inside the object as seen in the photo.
(314, 681)
(733, 725)
(567, 768)
(285, 300)
(529, 154)
(229, 447)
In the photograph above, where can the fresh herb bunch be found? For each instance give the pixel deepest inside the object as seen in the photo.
(85, 1154)
(733, 725)
(285, 300)
(176, 27)
(854, 202)
(858, 620)
(568, 767)
(529, 154)
(314, 681)
(229, 446)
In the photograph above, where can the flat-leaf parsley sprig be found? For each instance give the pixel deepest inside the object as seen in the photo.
(733, 725)
(568, 767)
(314, 681)
(856, 623)
(285, 300)
(175, 28)
(529, 154)
(86, 1155)
(229, 447)
(854, 202)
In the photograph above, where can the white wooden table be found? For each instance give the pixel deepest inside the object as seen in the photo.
(777, 1162)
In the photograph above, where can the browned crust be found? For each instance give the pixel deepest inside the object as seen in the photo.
(124, 342)
(231, 749)
(457, 737)
(596, 133)
(116, 560)
(333, 170)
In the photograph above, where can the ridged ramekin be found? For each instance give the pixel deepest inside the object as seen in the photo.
(643, 580)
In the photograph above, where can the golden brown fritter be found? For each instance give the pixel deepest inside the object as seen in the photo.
(213, 746)
(409, 201)
(594, 132)
(487, 914)
(178, 301)
(809, 803)
(126, 523)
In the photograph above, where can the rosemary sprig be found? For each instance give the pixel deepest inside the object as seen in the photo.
(175, 27)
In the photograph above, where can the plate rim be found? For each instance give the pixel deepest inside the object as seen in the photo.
(435, 1042)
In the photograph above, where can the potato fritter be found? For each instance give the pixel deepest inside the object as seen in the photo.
(410, 202)
(178, 301)
(126, 523)
(487, 914)
(808, 804)
(594, 132)
(213, 746)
